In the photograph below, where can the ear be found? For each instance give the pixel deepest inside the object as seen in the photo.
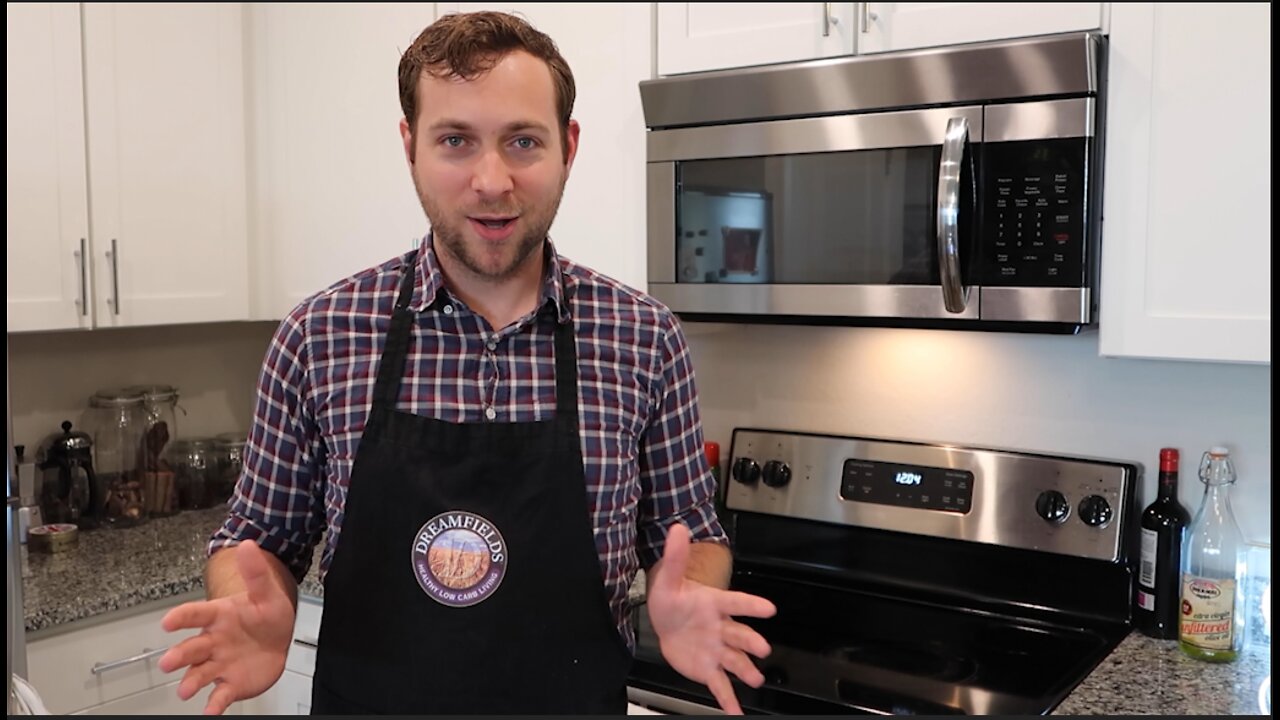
(571, 137)
(407, 136)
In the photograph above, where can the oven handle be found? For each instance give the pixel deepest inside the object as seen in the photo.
(954, 295)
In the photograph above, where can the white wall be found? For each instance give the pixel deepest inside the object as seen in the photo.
(1041, 393)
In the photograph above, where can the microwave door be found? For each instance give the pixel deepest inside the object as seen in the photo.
(832, 216)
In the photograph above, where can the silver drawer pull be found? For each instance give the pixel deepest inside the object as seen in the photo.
(146, 654)
(311, 644)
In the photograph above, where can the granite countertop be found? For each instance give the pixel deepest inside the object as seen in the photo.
(160, 561)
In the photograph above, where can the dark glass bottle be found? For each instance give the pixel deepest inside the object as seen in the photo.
(1157, 602)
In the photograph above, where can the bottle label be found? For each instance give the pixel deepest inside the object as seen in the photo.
(1146, 601)
(1147, 566)
(1207, 607)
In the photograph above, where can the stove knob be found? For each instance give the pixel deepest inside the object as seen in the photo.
(1052, 506)
(1095, 511)
(746, 471)
(776, 473)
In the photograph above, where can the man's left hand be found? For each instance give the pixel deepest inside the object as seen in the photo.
(696, 632)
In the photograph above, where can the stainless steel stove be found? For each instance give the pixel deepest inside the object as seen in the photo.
(917, 579)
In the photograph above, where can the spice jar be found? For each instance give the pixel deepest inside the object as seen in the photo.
(194, 471)
(229, 449)
(159, 404)
(117, 419)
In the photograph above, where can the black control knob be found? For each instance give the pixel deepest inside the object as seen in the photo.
(776, 473)
(746, 471)
(1052, 506)
(1095, 511)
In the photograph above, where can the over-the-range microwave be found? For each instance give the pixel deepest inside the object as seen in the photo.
(954, 188)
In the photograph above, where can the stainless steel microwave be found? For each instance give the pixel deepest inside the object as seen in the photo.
(956, 188)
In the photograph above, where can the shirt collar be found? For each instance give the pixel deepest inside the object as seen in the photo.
(429, 288)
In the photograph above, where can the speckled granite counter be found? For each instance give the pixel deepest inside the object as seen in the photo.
(1153, 677)
(112, 570)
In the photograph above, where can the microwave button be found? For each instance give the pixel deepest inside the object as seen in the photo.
(1002, 257)
(1062, 219)
(1061, 238)
(1008, 271)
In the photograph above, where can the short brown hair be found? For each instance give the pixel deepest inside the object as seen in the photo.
(467, 45)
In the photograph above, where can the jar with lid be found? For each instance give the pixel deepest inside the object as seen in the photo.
(229, 448)
(194, 471)
(117, 419)
(160, 404)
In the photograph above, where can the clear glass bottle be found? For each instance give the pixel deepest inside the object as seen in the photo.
(230, 460)
(194, 470)
(160, 405)
(117, 420)
(1213, 568)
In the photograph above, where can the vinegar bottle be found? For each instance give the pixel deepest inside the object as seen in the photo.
(1213, 569)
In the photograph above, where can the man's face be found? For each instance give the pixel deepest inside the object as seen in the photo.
(488, 164)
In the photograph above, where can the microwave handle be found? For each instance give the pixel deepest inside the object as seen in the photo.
(949, 172)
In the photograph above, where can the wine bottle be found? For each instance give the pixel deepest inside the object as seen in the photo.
(1164, 521)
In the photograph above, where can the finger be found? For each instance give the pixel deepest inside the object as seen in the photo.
(722, 690)
(220, 699)
(739, 603)
(743, 637)
(675, 558)
(196, 677)
(255, 570)
(736, 662)
(191, 651)
(198, 614)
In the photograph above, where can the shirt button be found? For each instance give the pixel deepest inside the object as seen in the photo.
(448, 309)
(491, 345)
(490, 413)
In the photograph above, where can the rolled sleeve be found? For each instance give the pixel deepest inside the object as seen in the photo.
(677, 482)
(278, 500)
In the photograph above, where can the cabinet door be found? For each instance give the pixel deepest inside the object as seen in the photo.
(1186, 237)
(161, 700)
(333, 194)
(291, 695)
(885, 27)
(164, 87)
(711, 36)
(601, 222)
(47, 223)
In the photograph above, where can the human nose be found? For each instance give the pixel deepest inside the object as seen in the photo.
(491, 177)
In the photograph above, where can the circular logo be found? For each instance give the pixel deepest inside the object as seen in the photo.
(459, 558)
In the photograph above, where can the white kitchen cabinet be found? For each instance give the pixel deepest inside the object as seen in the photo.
(291, 695)
(708, 36)
(886, 27)
(332, 191)
(150, 139)
(46, 186)
(601, 222)
(161, 700)
(1186, 248)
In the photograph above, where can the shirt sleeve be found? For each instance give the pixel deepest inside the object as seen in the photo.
(278, 500)
(676, 481)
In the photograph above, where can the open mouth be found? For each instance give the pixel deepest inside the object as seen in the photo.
(494, 223)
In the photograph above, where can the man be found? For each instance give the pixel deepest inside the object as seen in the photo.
(492, 436)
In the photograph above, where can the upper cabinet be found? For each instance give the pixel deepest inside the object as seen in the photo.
(707, 36)
(151, 140)
(1186, 248)
(332, 191)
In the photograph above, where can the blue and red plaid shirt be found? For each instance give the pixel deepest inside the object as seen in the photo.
(642, 440)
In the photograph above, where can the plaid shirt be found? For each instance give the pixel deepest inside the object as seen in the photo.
(642, 441)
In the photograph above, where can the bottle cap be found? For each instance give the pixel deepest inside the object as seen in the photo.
(713, 453)
(1219, 450)
(1168, 459)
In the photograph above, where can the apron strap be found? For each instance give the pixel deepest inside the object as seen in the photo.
(391, 367)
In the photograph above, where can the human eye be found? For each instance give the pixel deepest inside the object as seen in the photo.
(453, 141)
(525, 143)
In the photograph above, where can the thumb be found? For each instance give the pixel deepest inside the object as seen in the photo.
(255, 571)
(675, 558)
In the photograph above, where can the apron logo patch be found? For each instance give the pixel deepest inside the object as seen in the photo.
(459, 558)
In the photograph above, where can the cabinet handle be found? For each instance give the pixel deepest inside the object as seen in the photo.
(146, 654)
(867, 17)
(82, 260)
(828, 20)
(306, 643)
(114, 300)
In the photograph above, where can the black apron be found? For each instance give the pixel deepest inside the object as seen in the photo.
(466, 578)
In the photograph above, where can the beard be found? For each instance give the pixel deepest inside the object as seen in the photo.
(478, 256)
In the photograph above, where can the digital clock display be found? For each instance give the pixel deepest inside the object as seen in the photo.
(908, 486)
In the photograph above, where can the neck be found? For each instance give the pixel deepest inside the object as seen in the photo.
(500, 301)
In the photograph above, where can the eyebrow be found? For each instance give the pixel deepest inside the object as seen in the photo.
(511, 127)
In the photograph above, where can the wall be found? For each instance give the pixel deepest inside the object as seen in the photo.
(1041, 393)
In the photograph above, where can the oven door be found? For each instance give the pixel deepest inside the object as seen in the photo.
(850, 216)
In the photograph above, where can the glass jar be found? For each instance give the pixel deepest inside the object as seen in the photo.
(194, 471)
(116, 422)
(230, 460)
(160, 404)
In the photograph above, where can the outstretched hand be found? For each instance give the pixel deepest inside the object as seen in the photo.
(244, 637)
(696, 632)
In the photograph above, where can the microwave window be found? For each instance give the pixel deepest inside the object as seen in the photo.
(862, 217)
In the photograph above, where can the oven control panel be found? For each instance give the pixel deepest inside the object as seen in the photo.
(1066, 505)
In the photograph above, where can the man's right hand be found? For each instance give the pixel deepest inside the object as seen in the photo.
(244, 636)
